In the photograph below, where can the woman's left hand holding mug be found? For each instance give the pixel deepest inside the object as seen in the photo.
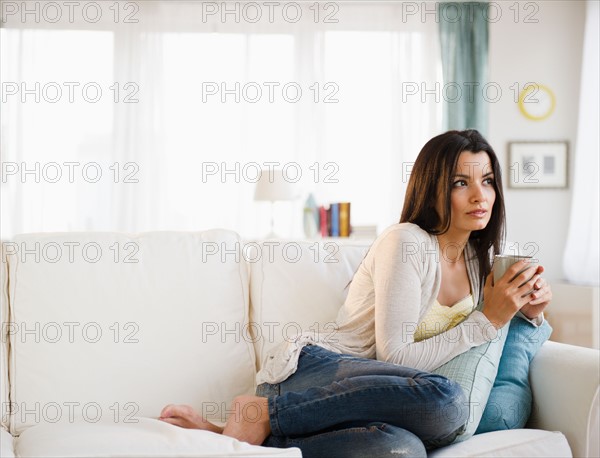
(540, 297)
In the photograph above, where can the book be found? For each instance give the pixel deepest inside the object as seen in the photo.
(323, 221)
(345, 219)
(335, 220)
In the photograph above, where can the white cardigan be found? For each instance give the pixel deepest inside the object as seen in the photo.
(393, 289)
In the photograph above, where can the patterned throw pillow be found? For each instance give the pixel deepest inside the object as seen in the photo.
(475, 371)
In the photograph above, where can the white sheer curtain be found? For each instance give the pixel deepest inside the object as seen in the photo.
(582, 252)
(152, 152)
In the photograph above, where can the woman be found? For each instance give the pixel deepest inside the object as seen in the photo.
(367, 391)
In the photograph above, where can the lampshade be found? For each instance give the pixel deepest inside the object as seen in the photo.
(273, 185)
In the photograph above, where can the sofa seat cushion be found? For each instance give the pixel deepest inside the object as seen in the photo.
(509, 443)
(147, 438)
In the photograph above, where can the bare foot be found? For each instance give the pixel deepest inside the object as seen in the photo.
(249, 421)
(186, 417)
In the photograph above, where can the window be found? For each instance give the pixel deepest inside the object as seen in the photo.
(188, 109)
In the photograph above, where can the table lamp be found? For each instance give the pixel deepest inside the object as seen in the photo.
(272, 186)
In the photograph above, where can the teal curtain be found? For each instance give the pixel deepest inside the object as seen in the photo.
(464, 45)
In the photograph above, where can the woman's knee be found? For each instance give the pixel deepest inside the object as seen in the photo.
(391, 441)
(449, 404)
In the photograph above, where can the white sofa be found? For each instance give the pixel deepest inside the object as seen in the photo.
(101, 330)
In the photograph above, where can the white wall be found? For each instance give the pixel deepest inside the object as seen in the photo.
(549, 53)
(574, 315)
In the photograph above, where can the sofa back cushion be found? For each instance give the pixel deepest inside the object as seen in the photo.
(113, 326)
(298, 285)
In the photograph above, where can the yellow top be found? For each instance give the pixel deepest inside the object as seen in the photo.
(440, 318)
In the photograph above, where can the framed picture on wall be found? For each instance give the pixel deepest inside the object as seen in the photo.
(537, 165)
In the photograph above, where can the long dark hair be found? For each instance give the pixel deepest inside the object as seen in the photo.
(432, 176)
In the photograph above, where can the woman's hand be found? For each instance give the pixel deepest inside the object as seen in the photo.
(505, 298)
(540, 298)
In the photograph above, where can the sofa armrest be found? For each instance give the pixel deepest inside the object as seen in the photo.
(565, 383)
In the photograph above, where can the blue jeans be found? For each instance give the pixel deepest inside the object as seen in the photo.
(338, 405)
